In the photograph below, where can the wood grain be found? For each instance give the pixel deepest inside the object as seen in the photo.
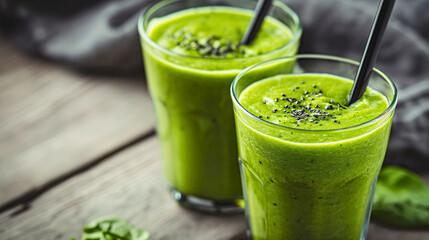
(128, 185)
(53, 120)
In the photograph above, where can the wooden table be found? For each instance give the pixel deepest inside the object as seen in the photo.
(74, 147)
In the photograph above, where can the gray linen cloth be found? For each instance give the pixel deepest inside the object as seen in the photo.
(101, 36)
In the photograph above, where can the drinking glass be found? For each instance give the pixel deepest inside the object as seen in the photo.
(310, 184)
(195, 120)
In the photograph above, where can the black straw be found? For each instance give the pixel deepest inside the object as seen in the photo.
(261, 11)
(371, 50)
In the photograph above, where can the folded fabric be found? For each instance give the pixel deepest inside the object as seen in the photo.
(401, 199)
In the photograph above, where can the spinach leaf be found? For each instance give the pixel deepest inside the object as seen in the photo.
(113, 228)
(401, 199)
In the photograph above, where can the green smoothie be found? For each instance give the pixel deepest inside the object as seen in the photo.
(191, 57)
(303, 184)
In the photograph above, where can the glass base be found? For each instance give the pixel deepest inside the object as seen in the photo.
(206, 205)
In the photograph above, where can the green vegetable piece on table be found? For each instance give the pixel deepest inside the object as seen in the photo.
(113, 228)
(401, 199)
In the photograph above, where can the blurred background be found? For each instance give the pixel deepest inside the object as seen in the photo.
(73, 94)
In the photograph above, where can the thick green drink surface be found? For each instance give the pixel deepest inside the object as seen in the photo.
(192, 32)
(303, 184)
(189, 86)
(316, 102)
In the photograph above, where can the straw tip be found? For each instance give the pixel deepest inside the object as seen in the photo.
(254, 26)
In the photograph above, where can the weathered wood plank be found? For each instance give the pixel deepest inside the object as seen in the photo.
(128, 185)
(53, 120)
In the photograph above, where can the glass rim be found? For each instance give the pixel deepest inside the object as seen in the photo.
(143, 34)
(386, 112)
